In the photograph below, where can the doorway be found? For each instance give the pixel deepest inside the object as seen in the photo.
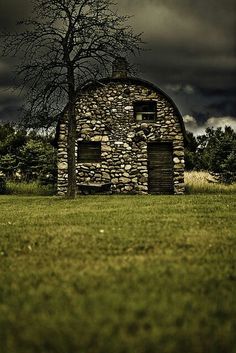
(160, 168)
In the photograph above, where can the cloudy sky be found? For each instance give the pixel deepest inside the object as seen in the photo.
(191, 54)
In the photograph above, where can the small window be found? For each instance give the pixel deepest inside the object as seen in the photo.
(89, 152)
(145, 111)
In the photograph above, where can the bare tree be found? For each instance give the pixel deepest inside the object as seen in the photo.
(64, 44)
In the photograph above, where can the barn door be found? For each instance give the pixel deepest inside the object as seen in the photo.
(160, 168)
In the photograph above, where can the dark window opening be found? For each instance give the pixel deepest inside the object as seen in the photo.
(89, 152)
(126, 92)
(145, 111)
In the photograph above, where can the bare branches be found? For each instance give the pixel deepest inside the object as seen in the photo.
(64, 44)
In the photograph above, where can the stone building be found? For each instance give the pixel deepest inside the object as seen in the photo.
(130, 134)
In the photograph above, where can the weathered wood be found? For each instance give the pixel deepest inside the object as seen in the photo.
(145, 110)
(160, 168)
(94, 188)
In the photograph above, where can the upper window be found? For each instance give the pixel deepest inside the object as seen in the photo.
(89, 152)
(145, 110)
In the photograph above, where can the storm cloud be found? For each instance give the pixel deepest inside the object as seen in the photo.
(190, 50)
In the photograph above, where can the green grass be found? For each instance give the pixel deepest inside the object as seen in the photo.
(118, 274)
(31, 188)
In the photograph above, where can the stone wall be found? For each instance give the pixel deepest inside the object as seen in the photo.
(105, 113)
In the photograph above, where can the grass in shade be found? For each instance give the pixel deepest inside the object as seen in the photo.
(31, 188)
(120, 274)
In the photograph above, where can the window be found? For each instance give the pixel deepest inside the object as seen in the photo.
(145, 111)
(89, 152)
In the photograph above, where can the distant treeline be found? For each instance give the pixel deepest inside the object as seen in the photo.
(31, 156)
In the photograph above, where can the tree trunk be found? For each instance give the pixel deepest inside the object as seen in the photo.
(71, 135)
(71, 158)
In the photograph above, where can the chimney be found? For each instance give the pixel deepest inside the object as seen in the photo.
(120, 68)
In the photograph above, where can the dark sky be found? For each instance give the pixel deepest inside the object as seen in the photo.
(191, 55)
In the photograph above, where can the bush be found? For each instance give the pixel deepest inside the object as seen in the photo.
(222, 155)
(38, 162)
(27, 156)
(215, 152)
(224, 177)
(3, 188)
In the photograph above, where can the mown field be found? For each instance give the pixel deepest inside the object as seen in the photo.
(118, 274)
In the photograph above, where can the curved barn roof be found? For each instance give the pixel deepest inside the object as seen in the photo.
(137, 81)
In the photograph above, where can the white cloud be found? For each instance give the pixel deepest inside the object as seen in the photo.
(188, 119)
(188, 89)
(192, 125)
(173, 87)
(178, 88)
(222, 122)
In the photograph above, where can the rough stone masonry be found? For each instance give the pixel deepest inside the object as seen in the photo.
(105, 113)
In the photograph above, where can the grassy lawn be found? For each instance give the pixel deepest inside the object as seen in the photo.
(118, 274)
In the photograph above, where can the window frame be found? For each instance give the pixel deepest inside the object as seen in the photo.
(152, 111)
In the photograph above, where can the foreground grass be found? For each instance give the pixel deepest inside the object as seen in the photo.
(125, 274)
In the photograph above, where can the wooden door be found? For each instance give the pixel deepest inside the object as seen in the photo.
(160, 168)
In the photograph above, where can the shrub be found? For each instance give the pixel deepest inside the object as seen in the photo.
(215, 152)
(27, 156)
(3, 188)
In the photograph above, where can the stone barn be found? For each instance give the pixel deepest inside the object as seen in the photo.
(130, 136)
